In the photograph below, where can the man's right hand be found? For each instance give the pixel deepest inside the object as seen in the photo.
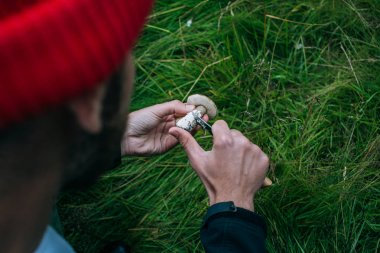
(235, 168)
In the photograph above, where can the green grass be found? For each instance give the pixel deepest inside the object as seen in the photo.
(299, 78)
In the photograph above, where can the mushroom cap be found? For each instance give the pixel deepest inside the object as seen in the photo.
(204, 101)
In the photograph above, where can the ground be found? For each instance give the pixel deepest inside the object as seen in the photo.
(300, 79)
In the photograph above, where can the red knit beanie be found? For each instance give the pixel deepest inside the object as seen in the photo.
(53, 50)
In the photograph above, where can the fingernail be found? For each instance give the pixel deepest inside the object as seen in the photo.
(268, 182)
(189, 107)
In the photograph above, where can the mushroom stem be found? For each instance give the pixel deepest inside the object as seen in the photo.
(188, 122)
(201, 109)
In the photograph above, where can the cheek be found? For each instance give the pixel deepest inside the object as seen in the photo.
(128, 84)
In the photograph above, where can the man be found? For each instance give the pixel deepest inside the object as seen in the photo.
(67, 78)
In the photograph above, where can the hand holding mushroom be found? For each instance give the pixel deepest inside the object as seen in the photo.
(147, 130)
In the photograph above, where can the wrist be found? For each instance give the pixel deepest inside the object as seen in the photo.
(246, 203)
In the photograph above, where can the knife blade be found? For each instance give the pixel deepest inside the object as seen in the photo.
(202, 123)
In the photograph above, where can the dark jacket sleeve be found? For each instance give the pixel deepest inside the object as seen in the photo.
(227, 228)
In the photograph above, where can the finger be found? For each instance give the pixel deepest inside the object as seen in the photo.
(205, 117)
(191, 146)
(222, 134)
(174, 107)
(196, 129)
(267, 182)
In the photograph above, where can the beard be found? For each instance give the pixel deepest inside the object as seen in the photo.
(90, 155)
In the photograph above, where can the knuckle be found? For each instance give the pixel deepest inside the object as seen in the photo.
(256, 148)
(244, 142)
(241, 139)
(265, 160)
(236, 132)
(247, 144)
(223, 141)
(176, 102)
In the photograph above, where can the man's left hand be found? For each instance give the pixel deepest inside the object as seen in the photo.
(147, 130)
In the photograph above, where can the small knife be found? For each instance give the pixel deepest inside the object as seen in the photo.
(202, 123)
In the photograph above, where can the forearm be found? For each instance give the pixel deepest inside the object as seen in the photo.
(230, 229)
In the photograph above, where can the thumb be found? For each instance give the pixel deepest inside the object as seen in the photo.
(188, 142)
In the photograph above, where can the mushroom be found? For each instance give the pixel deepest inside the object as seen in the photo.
(204, 105)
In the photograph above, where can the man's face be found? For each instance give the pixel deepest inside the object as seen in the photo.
(89, 155)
